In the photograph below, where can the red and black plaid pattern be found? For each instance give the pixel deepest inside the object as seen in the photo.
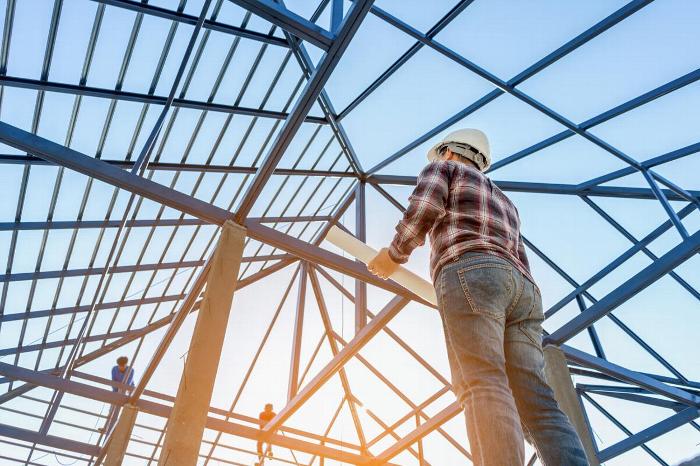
(463, 211)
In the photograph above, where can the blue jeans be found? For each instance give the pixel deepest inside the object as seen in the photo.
(492, 317)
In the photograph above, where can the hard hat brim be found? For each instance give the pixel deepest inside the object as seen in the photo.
(433, 152)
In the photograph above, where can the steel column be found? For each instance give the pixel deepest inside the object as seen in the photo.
(187, 421)
(297, 334)
(361, 233)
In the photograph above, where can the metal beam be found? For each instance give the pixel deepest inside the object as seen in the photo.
(322, 257)
(345, 383)
(127, 96)
(622, 427)
(161, 410)
(293, 386)
(562, 51)
(650, 433)
(420, 432)
(60, 443)
(549, 188)
(631, 287)
(184, 18)
(303, 105)
(188, 167)
(503, 86)
(85, 308)
(632, 377)
(16, 277)
(129, 335)
(361, 233)
(405, 57)
(69, 158)
(343, 356)
(175, 321)
(289, 21)
(71, 225)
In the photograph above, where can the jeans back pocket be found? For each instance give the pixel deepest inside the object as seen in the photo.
(488, 287)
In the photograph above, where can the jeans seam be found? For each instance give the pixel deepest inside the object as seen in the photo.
(516, 298)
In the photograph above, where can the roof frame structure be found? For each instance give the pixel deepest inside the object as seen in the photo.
(279, 246)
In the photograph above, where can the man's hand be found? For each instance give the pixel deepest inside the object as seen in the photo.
(382, 265)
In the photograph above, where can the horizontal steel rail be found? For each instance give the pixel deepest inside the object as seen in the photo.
(184, 18)
(127, 96)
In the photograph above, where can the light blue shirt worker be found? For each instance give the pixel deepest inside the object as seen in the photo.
(118, 376)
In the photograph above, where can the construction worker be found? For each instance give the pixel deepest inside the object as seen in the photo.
(263, 418)
(122, 374)
(490, 306)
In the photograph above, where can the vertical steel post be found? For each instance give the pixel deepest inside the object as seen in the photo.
(183, 436)
(559, 378)
(298, 329)
(119, 440)
(336, 15)
(361, 233)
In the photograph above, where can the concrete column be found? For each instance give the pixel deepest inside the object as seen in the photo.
(559, 378)
(186, 423)
(119, 439)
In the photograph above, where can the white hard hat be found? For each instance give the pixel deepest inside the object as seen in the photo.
(474, 143)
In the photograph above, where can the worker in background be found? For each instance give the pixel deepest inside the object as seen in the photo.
(263, 418)
(122, 374)
(490, 306)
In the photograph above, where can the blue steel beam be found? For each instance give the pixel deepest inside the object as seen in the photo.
(187, 167)
(289, 21)
(126, 334)
(504, 86)
(631, 287)
(307, 67)
(567, 48)
(663, 199)
(635, 378)
(549, 188)
(650, 163)
(152, 10)
(95, 168)
(650, 433)
(622, 427)
(625, 107)
(406, 56)
(676, 189)
(160, 222)
(610, 315)
(60, 443)
(177, 200)
(127, 96)
(642, 244)
(302, 106)
(15, 277)
(80, 309)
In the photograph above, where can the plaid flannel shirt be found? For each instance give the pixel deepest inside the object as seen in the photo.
(463, 211)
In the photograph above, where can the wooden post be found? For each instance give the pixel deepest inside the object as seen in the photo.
(119, 440)
(559, 378)
(186, 424)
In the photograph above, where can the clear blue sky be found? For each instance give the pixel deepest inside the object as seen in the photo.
(654, 46)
